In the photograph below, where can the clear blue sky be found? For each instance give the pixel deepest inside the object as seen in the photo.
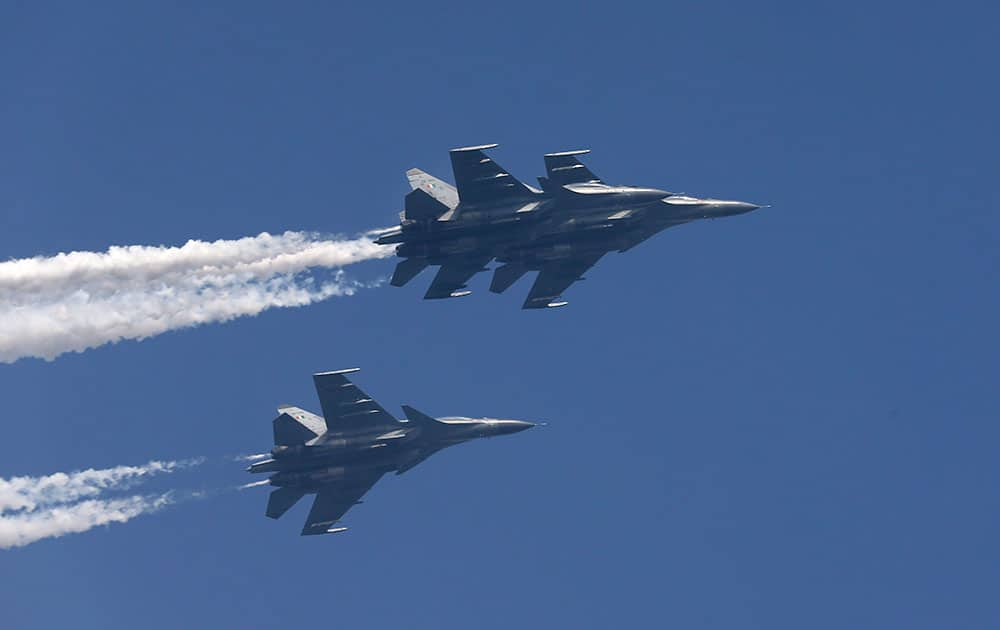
(782, 420)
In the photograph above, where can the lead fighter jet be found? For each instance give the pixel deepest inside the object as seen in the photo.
(560, 230)
(340, 456)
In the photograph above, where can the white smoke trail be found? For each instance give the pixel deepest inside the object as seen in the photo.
(80, 300)
(27, 494)
(141, 264)
(33, 508)
(28, 527)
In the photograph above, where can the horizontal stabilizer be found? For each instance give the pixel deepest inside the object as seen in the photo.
(281, 500)
(506, 275)
(291, 432)
(407, 270)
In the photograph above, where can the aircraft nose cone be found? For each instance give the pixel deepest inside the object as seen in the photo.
(505, 427)
(729, 208)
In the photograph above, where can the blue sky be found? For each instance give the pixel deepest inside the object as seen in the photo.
(778, 420)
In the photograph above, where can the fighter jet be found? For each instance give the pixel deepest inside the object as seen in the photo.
(340, 456)
(559, 230)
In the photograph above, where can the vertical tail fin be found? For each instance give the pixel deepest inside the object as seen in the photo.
(565, 168)
(420, 205)
(441, 191)
(289, 431)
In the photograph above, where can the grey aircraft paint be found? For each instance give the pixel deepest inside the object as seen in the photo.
(560, 230)
(341, 455)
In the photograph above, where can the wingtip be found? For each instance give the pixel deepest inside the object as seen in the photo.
(568, 153)
(347, 371)
(481, 147)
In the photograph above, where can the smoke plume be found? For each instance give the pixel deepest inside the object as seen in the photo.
(74, 301)
(33, 508)
(25, 528)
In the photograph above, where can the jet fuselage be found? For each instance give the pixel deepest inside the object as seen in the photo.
(312, 463)
(561, 230)
(342, 454)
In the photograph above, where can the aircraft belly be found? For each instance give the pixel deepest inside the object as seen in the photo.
(372, 455)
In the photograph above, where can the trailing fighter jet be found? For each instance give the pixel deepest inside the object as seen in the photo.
(560, 230)
(340, 456)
